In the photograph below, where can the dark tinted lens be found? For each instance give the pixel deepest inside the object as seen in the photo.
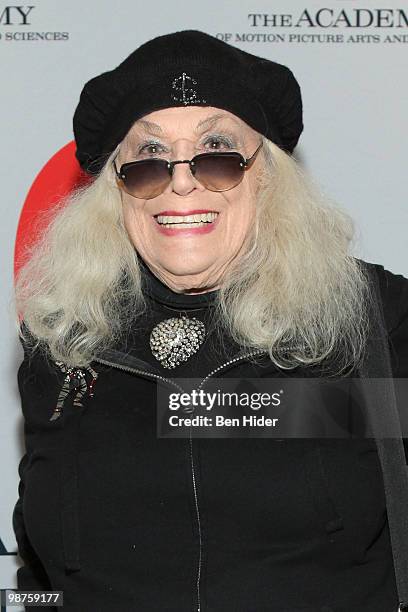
(219, 172)
(147, 178)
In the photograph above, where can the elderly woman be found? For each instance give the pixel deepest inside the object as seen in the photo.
(199, 250)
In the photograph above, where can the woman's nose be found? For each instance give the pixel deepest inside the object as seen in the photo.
(182, 180)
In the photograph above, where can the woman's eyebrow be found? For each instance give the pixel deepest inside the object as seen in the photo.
(211, 121)
(207, 123)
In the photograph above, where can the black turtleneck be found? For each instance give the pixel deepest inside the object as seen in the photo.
(164, 303)
(165, 296)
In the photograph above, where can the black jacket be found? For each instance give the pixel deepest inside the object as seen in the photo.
(120, 519)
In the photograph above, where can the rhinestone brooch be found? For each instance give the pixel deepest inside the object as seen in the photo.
(187, 94)
(175, 340)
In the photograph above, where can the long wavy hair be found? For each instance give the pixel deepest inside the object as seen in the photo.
(296, 291)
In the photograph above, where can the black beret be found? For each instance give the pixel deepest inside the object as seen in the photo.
(182, 69)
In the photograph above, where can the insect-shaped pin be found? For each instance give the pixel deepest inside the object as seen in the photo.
(75, 379)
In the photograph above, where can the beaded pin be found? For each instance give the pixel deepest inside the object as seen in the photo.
(75, 379)
(188, 94)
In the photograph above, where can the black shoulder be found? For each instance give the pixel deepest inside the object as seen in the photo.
(39, 381)
(394, 292)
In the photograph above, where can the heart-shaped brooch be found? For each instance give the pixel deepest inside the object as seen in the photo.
(175, 340)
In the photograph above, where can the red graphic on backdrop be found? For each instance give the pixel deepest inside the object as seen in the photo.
(60, 175)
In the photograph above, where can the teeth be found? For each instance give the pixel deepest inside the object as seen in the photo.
(188, 219)
(183, 225)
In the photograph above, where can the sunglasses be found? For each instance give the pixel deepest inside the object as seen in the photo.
(148, 178)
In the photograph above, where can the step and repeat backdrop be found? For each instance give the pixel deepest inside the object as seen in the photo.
(349, 56)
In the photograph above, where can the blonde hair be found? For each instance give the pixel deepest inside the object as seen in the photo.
(296, 291)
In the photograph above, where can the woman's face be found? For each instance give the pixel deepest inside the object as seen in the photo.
(191, 259)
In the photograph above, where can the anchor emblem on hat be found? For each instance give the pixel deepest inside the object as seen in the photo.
(189, 95)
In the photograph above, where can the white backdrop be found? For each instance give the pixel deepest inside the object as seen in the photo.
(350, 58)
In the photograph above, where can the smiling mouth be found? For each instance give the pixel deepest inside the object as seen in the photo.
(187, 221)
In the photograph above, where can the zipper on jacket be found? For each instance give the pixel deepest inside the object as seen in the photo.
(236, 359)
(257, 352)
(200, 540)
(170, 381)
(193, 471)
(136, 371)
